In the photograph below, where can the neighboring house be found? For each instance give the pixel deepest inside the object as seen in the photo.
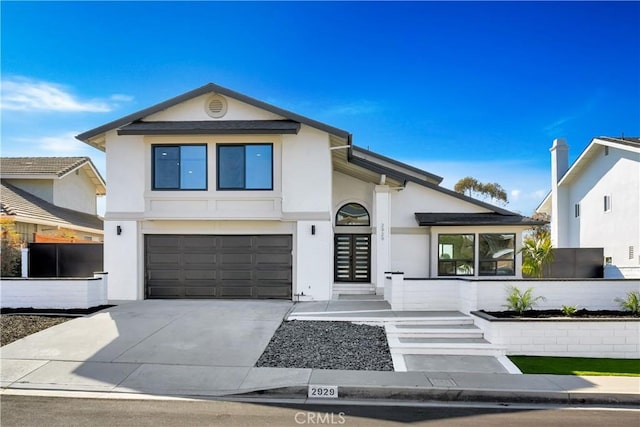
(52, 195)
(596, 201)
(213, 194)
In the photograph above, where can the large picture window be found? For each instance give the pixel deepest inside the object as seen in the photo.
(245, 167)
(497, 254)
(456, 254)
(179, 167)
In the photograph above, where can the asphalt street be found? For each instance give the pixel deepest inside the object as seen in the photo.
(61, 411)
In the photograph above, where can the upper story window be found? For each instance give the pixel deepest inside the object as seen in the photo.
(353, 214)
(179, 167)
(456, 254)
(607, 203)
(576, 210)
(245, 167)
(497, 254)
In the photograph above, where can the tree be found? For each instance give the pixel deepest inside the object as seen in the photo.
(10, 254)
(539, 231)
(476, 189)
(537, 253)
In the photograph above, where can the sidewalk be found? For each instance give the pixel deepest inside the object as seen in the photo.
(167, 349)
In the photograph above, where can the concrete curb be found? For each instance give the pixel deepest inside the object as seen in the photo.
(418, 394)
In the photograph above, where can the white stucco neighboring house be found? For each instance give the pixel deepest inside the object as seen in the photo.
(596, 201)
(214, 194)
(45, 195)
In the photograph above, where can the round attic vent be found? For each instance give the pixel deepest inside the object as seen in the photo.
(216, 106)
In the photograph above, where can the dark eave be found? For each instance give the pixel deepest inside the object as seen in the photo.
(209, 88)
(459, 219)
(361, 151)
(212, 127)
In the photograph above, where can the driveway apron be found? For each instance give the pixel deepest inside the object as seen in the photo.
(150, 346)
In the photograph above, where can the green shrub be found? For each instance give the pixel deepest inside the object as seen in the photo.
(632, 303)
(519, 301)
(569, 310)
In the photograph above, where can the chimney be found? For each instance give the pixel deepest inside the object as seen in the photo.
(559, 159)
(559, 195)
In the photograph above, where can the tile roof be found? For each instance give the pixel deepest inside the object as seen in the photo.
(14, 201)
(40, 165)
(451, 219)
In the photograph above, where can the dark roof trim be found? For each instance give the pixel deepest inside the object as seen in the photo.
(210, 127)
(209, 88)
(397, 163)
(631, 141)
(459, 219)
(399, 176)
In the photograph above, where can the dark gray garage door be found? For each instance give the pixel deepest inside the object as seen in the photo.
(193, 266)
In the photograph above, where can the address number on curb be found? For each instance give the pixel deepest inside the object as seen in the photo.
(323, 391)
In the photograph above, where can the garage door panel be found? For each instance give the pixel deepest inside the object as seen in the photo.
(200, 274)
(197, 259)
(200, 291)
(196, 266)
(162, 259)
(273, 259)
(236, 259)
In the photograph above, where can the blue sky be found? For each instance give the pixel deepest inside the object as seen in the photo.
(456, 88)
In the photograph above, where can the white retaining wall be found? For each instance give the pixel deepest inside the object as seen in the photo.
(467, 295)
(580, 338)
(54, 293)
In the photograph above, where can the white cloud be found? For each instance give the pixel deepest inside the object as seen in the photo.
(515, 194)
(23, 94)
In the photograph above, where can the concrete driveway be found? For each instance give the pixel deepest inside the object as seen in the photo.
(153, 346)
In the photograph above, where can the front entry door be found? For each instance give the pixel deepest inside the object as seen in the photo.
(352, 258)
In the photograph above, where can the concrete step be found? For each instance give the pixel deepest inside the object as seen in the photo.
(431, 321)
(452, 348)
(434, 331)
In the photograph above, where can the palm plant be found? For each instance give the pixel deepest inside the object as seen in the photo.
(519, 301)
(537, 253)
(632, 303)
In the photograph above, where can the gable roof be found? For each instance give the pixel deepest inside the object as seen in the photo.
(208, 88)
(133, 124)
(627, 143)
(50, 167)
(29, 208)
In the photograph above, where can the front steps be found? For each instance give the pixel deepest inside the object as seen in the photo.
(450, 336)
(361, 289)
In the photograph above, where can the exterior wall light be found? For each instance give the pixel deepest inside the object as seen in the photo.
(313, 230)
(118, 230)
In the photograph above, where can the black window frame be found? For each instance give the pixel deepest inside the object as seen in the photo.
(153, 167)
(481, 260)
(455, 261)
(244, 188)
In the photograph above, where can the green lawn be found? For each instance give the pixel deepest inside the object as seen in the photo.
(577, 366)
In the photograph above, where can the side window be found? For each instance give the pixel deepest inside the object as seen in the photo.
(179, 167)
(497, 254)
(245, 167)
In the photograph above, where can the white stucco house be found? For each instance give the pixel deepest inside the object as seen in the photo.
(44, 195)
(596, 201)
(213, 194)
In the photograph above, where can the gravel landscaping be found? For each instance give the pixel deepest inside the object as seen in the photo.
(14, 327)
(328, 345)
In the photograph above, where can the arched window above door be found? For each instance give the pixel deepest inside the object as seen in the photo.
(352, 214)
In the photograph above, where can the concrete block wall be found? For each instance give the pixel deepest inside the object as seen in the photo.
(580, 338)
(54, 293)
